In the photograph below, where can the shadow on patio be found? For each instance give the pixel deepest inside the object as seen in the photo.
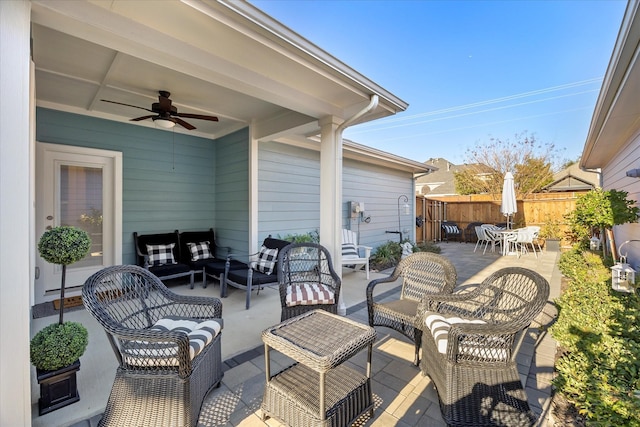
(402, 396)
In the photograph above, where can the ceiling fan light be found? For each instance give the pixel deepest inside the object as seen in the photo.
(164, 123)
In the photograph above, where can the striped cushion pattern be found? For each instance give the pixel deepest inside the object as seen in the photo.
(309, 294)
(440, 325)
(349, 251)
(200, 332)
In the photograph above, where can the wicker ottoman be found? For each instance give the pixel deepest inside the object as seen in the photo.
(318, 390)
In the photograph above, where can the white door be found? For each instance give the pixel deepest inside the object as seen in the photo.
(80, 187)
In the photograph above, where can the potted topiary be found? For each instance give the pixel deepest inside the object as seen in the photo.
(56, 349)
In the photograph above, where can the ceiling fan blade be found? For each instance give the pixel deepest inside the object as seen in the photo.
(184, 124)
(137, 119)
(126, 105)
(196, 116)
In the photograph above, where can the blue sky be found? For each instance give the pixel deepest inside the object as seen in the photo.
(470, 70)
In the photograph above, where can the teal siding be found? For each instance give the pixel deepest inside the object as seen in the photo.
(232, 191)
(288, 190)
(169, 178)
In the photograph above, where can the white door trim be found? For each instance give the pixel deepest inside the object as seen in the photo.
(115, 157)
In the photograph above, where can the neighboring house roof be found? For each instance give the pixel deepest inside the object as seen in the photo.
(616, 117)
(573, 178)
(441, 182)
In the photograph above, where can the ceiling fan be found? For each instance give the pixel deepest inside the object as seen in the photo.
(166, 115)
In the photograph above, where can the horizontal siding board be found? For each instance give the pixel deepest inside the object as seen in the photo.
(169, 179)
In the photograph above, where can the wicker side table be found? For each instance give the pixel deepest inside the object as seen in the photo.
(318, 390)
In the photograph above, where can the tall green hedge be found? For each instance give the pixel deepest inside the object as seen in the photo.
(598, 330)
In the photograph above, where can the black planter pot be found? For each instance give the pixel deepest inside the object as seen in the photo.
(552, 245)
(58, 388)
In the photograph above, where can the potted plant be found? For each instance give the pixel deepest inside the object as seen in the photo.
(56, 349)
(551, 233)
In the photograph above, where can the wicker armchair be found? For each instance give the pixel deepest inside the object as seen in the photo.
(469, 345)
(421, 273)
(163, 374)
(307, 280)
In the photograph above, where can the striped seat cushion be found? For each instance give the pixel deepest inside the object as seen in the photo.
(309, 294)
(490, 348)
(145, 353)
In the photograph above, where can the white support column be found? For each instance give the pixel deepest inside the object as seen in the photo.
(331, 194)
(253, 192)
(16, 207)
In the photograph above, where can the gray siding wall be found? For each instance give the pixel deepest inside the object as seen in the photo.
(169, 178)
(378, 188)
(289, 199)
(288, 190)
(614, 178)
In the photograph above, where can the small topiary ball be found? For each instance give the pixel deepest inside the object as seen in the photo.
(58, 345)
(64, 245)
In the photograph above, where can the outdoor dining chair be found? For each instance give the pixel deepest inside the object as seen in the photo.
(421, 273)
(307, 280)
(469, 346)
(167, 346)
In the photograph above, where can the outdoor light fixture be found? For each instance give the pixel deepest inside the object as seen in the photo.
(163, 123)
(406, 211)
(633, 173)
(623, 276)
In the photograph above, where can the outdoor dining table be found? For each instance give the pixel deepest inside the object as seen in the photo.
(508, 237)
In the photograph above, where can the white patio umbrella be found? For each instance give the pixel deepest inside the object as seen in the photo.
(509, 206)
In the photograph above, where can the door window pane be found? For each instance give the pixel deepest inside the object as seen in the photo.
(81, 206)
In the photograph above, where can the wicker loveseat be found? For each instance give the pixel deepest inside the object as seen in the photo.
(421, 273)
(469, 345)
(163, 373)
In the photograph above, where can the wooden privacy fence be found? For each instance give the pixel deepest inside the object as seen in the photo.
(536, 209)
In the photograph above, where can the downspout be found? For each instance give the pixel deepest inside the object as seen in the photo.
(372, 104)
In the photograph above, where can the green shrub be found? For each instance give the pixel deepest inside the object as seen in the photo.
(389, 254)
(58, 345)
(599, 337)
(310, 237)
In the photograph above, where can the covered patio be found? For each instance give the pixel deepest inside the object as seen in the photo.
(402, 396)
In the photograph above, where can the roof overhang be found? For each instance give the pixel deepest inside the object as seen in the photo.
(222, 58)
(616, 117)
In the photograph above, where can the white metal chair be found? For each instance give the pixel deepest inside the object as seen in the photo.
(353, 253)
(482, 238)
(494, 238)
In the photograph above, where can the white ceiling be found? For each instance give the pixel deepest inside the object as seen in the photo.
(216, 58)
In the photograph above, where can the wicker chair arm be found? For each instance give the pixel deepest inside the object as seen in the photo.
(481, 343)
(130, 339)
(434, 302)
(372, 284)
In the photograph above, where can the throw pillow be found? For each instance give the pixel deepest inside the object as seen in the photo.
(199, 250)
(349, 251)
(161, 254)
(266, 260)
